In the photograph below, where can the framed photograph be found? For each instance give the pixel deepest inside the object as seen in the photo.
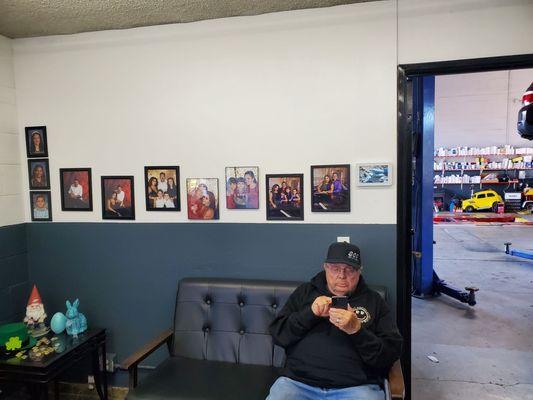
(118, 197)
(330, 188)
(36, 143)
(202, 198)
(242, 188)
(374, 174)
(285, 197)
(39, 174)
(76, 189)
(41, 206)
(162, 188)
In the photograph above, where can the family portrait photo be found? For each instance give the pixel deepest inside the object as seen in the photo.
(331, 188)
(202, 198)
(36, 145)
(242, 188)
(41, 206)
(76, 189)
(39, 174)
(374, 174)
(285, 197)
(118, 197)
(162, 186)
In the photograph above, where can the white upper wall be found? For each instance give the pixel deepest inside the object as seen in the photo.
(440, 30)
(480, 109)
(11, 197)
(282, 91)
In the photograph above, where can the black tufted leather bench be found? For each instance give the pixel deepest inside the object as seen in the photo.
(220, 347)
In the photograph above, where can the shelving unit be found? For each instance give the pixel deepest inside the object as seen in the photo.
(513, 164)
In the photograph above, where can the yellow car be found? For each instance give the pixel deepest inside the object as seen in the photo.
(484, 200)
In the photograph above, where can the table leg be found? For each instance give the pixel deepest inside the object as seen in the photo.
(39, 391)
(104, 369)
(56, 389)
(97, 372)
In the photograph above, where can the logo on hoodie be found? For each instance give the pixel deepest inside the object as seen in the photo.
(362, 314)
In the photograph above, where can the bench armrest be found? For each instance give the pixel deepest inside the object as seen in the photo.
(396, 383)
(131, 363)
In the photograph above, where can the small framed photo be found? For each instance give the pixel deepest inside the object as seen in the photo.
(242, 188)
(162, 188)
(331, 188)
(41, 206)
(202, 198)
(39, 174)
(285, 197)
(118, 197)
(374, 174)
(36, 143)
(76, 189)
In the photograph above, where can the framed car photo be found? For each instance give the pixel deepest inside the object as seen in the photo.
(374, 174)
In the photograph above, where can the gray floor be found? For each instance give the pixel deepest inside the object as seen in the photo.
(486, 351)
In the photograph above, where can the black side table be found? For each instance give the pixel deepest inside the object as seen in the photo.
(39, 373)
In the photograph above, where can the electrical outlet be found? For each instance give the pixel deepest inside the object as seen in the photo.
(90, 382)
(110, 362)
(343, 239)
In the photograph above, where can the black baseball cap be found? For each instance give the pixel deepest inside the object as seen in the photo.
(344, 253)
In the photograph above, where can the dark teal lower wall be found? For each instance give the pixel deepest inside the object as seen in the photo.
(14, 286)
(126, 274)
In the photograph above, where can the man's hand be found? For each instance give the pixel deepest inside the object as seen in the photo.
(320, 306)
(345, 320)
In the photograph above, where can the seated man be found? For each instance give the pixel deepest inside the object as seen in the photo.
(335, 353)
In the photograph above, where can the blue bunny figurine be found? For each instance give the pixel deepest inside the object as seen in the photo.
(76, 321)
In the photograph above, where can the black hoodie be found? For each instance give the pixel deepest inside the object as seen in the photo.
(321, 355)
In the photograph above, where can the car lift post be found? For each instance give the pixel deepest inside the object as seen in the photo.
(426, 282)
(518, 253)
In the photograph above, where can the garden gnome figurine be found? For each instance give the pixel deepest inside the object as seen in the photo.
(35, 314)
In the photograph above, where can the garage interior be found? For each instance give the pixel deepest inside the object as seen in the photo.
(482, 351)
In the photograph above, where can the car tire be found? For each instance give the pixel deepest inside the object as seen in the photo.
(469, 209)
(495, 207)
(529, 207)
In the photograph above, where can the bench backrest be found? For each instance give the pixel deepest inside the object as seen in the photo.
(222, 319)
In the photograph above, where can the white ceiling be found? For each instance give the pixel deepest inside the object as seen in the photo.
(28, 18)
(480, 109)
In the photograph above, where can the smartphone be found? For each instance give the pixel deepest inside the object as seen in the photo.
(339, 302)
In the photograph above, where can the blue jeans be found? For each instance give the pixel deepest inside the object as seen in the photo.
(288, 389)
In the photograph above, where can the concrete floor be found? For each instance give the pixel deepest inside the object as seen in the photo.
(486, 351)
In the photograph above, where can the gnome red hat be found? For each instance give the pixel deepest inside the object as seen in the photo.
(35, 309)
(35, 297)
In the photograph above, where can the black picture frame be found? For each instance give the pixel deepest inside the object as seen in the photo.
(33, 199)
(288, 212)
(340, 202)
(33, 163)
(147, 192)
(30, 151)
(68, 175)
(109, 185)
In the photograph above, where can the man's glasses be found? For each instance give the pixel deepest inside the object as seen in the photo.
(337, 269)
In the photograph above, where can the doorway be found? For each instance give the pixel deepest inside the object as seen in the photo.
(433, 366)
